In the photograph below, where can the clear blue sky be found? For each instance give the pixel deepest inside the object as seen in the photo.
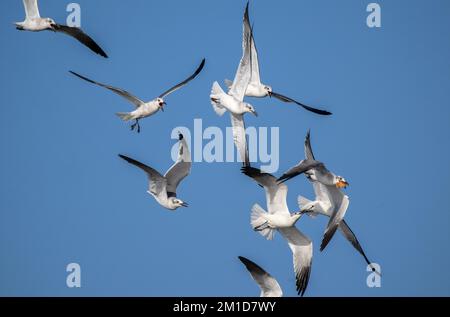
(67, 197)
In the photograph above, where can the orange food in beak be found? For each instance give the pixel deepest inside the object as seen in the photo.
(341, 184)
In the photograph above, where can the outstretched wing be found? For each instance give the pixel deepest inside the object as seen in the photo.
(31, 9)
(239, 137)
(351, 237)
(157, 183)
(180, 169)
(244, 71)
(268, 285)
(290, 100)
(248, 32)
(184, 82)
(301, 247)
(125, 94)
(82, 37)
(276, 193)
(308, 150)
(300, 168)
(340, 204)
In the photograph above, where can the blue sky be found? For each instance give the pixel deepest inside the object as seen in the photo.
(66, 196)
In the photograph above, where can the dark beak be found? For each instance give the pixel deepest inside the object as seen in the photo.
(255, 113)
(269, 93)
(185, 204)
(161, 106)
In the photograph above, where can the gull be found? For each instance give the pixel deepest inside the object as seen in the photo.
(163, 188)
(33, 22)
(233, 101)
(313, 208)
(268, 285)
(255, 87)
(279, 218)
(330, 200)
(143, 109)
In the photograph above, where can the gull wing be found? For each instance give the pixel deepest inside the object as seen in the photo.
(244, 71)
(180, 169)
(157, 183)
(290, 100)
(301, 247)
(248, 32)
(184, 82)
(239, 137)
(123, 93)
(276, 193)
(82, 37)
(31, 9)
(268, 285)
(351, 237)
(302, 167)
(308, 150)
(340, 204)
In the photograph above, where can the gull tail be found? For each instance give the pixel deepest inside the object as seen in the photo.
(302, 202)
(216, 93)
(125, 116)
(259, 222)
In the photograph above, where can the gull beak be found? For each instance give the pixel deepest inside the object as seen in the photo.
(161, 105)
(184, 204)
(269, 93)
(342, 184)
(255, 113)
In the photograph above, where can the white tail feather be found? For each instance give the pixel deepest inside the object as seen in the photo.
(216, 93)
(302, 202)
(125, 116)
(258, 219)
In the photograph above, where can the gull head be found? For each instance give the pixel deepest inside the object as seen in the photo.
(50, 23)
(268, 90)
(249, 108)
(297, 215)
(341, 182)
(161, 103)
(176, 203)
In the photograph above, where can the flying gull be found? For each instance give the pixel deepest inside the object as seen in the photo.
(233, 101)
(143, 109)
(255, 87)
(33, 22)
(279, 218)
(163, 188)
(268, 285)
(330, 200)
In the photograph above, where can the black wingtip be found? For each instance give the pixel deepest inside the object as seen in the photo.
(243, 259)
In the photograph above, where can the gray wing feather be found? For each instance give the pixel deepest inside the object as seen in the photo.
(125, 94)
(157, 183)
(301, 247)
(82, 37)
(184, 82)
(268, 285)
(31, 9)
(180, 169)
(243, 73)
(276, 194)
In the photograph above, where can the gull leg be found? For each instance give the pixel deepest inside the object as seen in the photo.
(136, 124)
